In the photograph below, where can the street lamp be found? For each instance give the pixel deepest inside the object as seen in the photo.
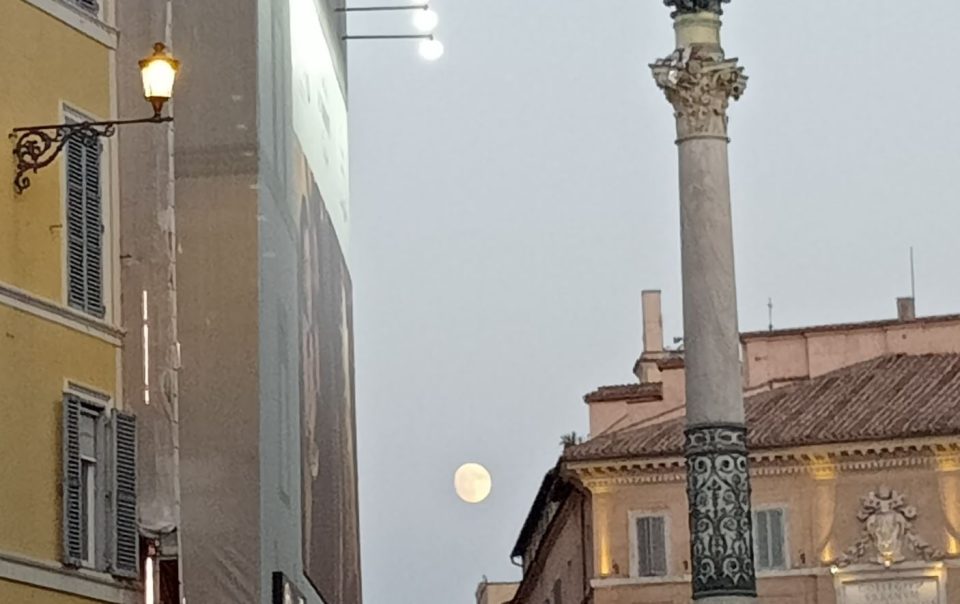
(158, 71)
(431, 49)
(38, 146)
(425, 20)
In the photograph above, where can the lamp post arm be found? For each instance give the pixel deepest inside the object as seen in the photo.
(37, 147)
(363, 9)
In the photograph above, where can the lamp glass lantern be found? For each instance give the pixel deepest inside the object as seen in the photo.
(431, 49)
(426, 20)
(159, 72)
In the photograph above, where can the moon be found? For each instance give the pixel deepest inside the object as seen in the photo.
(472, 482)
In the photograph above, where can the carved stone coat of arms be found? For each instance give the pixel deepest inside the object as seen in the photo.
(887, 536)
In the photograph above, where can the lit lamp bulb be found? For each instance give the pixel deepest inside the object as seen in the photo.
(158, 71)
(425, 20)
(431, 49)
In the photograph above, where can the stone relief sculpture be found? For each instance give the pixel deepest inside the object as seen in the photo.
(887, 536)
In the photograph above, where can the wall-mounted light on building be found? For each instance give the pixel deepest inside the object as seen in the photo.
(425, 20)
(38, 146)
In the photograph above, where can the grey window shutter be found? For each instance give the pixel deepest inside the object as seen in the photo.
(658, 546)
(651, 543)
(762, 539)
(126, 534)
(84, 227)
(775, 523)
(76, 252)
(93, 227)
(71, 529)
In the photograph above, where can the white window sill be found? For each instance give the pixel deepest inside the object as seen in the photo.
(88, 24)
(81, 582)
(68, 317)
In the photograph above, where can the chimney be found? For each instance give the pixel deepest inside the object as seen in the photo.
(906, 309)
(652, 321)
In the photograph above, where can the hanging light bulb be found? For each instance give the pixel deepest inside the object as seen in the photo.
(431, 49)
(426, 20)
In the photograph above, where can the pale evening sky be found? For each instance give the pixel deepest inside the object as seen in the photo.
(512, 200)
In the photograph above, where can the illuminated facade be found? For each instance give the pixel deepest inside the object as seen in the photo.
(68, 532)
(237, 263)
(855, 462)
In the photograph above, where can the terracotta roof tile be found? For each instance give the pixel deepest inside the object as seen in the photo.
(626, 393)
(895, 396)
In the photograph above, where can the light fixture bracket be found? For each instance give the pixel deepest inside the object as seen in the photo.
(37, 147)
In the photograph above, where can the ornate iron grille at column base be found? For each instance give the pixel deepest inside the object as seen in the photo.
(718, 492)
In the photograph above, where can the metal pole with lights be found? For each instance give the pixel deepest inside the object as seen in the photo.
(699, 81)
(37, 147)
(425, 20)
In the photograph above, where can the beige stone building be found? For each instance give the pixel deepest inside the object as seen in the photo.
(854, 436)
(495, 593)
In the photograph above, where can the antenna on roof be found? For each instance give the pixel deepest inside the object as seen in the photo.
(770, 312)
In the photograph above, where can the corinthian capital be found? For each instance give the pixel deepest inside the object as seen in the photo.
(699, 83)
(695, 6)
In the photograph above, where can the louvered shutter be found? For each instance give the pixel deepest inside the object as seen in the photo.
(93, 227)
(652, 547)
(84, 227)
(769, 527)
(775, 523)
(762, 540)
(126, 534)
(76, 227)
(72, 530)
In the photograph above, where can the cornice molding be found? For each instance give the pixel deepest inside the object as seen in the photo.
(821, 463)
(22, 300)
(85, 23)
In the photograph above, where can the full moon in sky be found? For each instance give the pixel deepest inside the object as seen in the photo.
(472, 482)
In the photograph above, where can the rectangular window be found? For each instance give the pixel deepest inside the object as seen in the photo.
(651, 546)
(768, 531)
(557, 592)
(88, 6)
(99, 488)
(84, 209)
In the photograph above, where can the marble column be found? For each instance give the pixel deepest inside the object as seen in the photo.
(699, 82)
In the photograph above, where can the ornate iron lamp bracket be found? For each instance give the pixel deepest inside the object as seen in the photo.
(37, 147)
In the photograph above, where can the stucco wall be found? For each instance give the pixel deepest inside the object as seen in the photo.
(562, 558)
(821, 506)
(814, 353)
(46, 63)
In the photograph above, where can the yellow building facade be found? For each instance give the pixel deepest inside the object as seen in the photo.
(62, 430)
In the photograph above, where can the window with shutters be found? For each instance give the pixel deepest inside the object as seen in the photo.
(650, 545)
(769, 530)
(99, 488)
(84, 228)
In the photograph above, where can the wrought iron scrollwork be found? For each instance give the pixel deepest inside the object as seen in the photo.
(38, 147)
(718, 491)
